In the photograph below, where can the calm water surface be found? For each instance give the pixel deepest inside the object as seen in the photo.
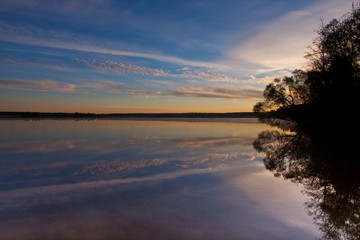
(107, 179)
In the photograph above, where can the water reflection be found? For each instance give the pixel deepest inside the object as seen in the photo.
(327, 165)
(142, 180)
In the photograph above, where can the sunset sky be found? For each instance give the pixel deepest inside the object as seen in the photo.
(108, 56)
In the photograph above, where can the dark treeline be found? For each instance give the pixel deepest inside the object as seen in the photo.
(317, 140)
(60, 115)
(327, 93)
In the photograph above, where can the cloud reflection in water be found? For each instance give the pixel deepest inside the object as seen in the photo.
(121, 179)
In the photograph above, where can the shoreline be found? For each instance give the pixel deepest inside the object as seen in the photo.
(174, 119)
(77, 115)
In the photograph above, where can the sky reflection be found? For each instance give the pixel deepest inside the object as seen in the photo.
(141, 180)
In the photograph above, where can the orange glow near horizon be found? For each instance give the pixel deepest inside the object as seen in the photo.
(114, 109)
(112, 105)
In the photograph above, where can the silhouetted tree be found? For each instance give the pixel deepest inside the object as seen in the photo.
(330, 86)
(284, 99)
(317, 113)
(330, 176)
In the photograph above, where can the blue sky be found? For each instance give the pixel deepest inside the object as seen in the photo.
(151, 56)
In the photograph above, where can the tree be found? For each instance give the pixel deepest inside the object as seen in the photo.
(317, 111)
(331, 84)
(330, 176)
(284, 98)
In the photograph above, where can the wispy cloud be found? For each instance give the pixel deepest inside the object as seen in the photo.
(122, 67)
(281, 44)
(261, 81)
(183, 73)
(208, 77)
(107, 86)
(205, 92)
(213, 142)
(217, 92)
(84, 87)
(46, 85)
(38, 146)
(31, 197)
(31, 35)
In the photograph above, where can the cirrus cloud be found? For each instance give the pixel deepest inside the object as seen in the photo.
(84, 87)
(281, 43)
(122, 67)
(204, 92)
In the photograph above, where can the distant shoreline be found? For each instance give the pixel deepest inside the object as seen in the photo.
(124, 116)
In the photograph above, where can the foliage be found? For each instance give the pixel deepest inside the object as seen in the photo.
(332, 82)
(317, 113)
(330, 176)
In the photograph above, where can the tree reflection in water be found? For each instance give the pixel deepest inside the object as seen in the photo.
(327, 167)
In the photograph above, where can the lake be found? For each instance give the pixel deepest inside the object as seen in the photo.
(143, 179)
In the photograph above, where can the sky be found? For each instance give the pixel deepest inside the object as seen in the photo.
(126, 56)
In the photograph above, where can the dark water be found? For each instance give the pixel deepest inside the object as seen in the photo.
(142, 180)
